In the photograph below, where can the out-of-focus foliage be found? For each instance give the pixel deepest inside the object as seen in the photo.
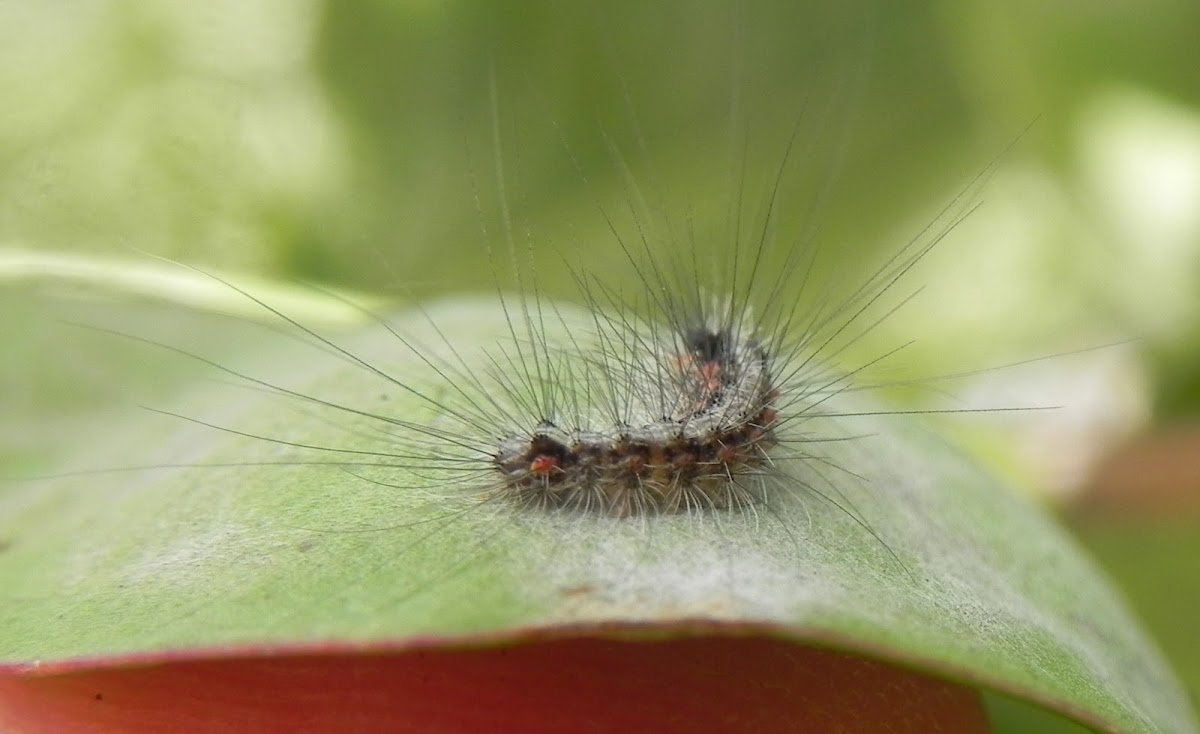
(349, 143)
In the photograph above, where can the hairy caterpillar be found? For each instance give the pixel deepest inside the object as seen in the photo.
(702, 387)
(688, 434)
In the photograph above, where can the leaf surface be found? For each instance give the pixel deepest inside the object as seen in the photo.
(271, 521)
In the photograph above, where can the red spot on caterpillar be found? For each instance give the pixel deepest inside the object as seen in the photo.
(543, 465)
(711, 376)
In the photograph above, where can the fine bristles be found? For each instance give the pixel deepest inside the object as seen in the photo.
(706, 383)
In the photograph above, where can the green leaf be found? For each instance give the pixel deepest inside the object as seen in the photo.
(893, 544)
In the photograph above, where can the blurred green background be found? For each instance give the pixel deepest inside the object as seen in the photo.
(362, 145)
